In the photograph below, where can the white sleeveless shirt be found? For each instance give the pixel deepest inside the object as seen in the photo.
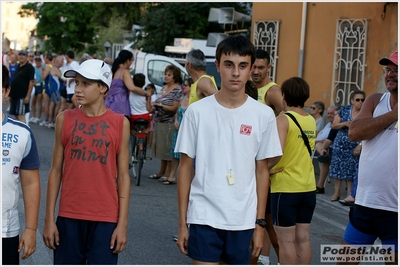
(378, 167)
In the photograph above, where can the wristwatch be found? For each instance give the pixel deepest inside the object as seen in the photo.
(261, 222)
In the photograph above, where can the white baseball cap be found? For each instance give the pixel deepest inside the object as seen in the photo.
(92, 69)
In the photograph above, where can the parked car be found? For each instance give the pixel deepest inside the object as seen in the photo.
(153, 67)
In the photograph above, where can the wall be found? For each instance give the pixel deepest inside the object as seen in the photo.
(382, 40)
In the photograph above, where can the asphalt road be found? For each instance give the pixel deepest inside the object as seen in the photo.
(153, 217)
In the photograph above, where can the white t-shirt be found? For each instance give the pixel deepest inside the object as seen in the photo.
(378, 167)
(137, 104)
(226, 141)
(322, 135)
(71, 87)
(19, 153)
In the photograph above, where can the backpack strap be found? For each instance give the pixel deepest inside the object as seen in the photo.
(305, 139)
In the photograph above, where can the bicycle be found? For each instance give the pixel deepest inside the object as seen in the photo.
(139, 147)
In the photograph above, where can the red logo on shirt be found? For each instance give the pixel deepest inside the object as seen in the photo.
(15, 169)
(245, 129)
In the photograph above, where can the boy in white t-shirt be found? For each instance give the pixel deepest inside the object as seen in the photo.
(137, 103)
(232, 137)
(20, 168)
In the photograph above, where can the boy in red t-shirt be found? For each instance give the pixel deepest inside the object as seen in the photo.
(90, 159)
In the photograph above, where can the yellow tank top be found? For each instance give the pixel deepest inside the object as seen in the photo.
(263, 91)
(193, 89)
(298, 171)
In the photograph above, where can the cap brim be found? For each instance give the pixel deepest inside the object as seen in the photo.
(386, 61)
(86, 75)
(70, 74)
(73, 73)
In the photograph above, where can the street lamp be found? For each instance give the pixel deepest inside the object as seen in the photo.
(107, 46)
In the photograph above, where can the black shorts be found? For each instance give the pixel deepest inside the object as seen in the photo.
(268, 205)
(84, 242)
(18, 107)
(208, 244)
(381, 223)
(63, 93)
(69, 98)
(290, 208)
(10, 255)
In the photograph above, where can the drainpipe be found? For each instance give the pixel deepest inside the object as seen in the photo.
(302, 37)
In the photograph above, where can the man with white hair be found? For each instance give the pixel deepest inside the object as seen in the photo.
(203, 84)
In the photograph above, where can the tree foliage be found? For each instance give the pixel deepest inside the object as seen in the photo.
(63, 25)
(165, 21)
(108, 12)
(84, 26)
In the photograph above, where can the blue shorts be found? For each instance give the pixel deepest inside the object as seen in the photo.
(38, 88)
(69, 98)
(55, 96)
(208, 244)
(288, 209)
(366, 225)
(84, 242)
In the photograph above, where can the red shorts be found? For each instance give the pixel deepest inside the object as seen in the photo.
(145, 116)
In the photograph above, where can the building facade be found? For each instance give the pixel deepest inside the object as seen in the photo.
(334, 46)
(16, 31)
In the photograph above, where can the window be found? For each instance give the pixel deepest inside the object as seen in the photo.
(349, 59)
(266, 35)
(156, 69)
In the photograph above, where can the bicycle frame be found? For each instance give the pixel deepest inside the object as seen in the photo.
(139, 148)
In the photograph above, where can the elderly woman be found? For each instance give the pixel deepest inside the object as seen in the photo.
(166, 105)
(293, 196)
(317, 110)
(346, 154)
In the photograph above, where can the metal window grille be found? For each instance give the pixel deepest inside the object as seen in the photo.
(265, 37)
(349, 59)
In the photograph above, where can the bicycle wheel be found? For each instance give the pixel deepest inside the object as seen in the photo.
(133, 158)
(138, 163)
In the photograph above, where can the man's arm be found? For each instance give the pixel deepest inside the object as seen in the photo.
(205, 87)
(45, 72)
(30, 184)
(274, 98)
(50, 231)
(184, 182)
(338, 124)
(119, 236)
(364, 126)
(57, 72)
(262, 184)
(282, 124)
(28, 94)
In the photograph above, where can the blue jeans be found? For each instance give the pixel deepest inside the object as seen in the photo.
(354, 186)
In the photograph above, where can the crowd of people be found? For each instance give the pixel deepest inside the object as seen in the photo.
(42, 86)
(244, 200)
